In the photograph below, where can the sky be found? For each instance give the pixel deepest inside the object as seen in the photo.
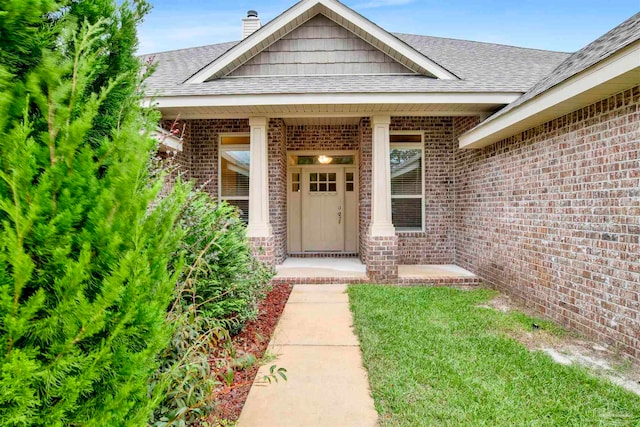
(562, 25)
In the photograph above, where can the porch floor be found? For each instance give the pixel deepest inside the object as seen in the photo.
(352, 270)
(349, 268)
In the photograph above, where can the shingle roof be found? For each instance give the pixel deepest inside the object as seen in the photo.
(623, 35)
(482, 67)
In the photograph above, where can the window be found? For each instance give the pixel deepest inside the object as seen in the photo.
(407, 196)
(295, 182)
(322, 182)
(349, 180)
(321, 160)
(234, 172)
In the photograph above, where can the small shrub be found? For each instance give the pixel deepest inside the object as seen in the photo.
(218, 292)
(228, 282)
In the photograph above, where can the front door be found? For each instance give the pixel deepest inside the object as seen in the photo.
(323, 215)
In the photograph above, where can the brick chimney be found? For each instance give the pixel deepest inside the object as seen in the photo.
(250, 24)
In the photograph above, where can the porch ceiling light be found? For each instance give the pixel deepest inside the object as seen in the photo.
(324, 160)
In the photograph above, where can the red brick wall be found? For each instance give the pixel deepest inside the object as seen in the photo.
(365, 158)
(277, 146)
(552, 216)
(322, 137)
(436, 244)
(203, 149)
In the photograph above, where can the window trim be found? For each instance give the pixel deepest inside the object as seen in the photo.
(411, 146)
(231, 147)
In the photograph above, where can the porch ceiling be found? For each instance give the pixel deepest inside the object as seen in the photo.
(344, 111)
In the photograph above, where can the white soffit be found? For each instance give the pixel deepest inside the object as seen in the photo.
(301, 13)
(496, 99)
(615, 74)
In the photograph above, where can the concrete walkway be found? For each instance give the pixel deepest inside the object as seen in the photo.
(327, 385)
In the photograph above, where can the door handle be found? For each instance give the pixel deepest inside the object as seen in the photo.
(339, 214)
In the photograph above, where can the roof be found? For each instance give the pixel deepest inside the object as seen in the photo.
(623, 35)
(482, 67)
(298, 15)
(604, 67)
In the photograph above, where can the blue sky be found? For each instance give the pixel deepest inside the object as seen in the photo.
(564, 25)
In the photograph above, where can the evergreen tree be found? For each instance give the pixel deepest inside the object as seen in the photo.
(84, 282)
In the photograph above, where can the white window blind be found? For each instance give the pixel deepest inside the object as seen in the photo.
(234, 172)
(407, 195)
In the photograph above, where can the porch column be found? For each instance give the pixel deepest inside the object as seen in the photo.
(381, 223)
(259, 226)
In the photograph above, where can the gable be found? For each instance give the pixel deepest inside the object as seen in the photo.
(297, 16)
(320, 46)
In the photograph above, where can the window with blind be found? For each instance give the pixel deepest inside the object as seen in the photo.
(234, 172)
(407, 195)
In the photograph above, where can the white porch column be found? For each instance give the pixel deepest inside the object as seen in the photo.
(381, 223)
(259, 225)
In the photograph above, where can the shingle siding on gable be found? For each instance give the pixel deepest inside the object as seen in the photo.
(320, 46)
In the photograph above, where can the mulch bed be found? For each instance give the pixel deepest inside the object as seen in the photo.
(253, 339)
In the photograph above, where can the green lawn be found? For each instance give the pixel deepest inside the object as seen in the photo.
(435, 359)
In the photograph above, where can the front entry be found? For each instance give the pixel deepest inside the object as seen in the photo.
(322, 216)
(322, 208)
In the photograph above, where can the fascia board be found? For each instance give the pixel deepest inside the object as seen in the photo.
(548, 105)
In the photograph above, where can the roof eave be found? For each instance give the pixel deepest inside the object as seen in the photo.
(612, 75)
(495, 98)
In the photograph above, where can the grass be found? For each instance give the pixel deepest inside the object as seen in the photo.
(436, 359)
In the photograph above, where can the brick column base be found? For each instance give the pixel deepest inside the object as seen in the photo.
(382, 258)
(264, 249)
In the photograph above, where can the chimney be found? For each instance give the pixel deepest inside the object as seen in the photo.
(250, 24)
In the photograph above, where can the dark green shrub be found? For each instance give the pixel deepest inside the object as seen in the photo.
(84, 278)
(228, 282)
(218, 292)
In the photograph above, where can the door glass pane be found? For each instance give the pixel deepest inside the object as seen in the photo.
(295, 177)
(349, 176)
(296, 187)
(313, 177)
(332, 177)
(332, 186)
(323, 177)
(313, 187)
(313, 160)
(349, 186)
(323, 186)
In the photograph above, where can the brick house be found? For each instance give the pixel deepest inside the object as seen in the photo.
(335, 137)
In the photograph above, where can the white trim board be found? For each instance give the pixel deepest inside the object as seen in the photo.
(497, 98)
(168, 142)
(613, 75)
(298, 15)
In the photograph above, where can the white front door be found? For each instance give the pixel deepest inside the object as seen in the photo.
(323, 215)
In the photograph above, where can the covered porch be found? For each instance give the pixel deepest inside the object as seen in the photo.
(371, 181)
(334, 270)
